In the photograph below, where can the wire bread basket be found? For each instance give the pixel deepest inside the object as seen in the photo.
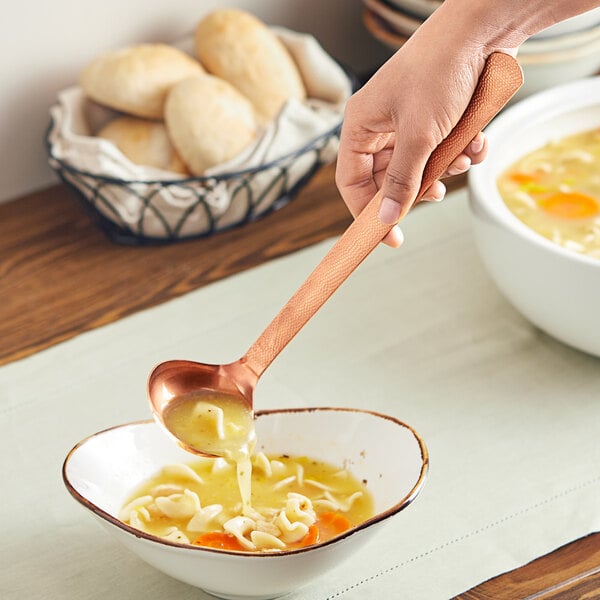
(139, 212)
(138, 205)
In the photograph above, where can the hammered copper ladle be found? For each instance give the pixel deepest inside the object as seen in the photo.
(173, 379)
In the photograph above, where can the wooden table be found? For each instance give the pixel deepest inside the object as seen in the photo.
(60, 276)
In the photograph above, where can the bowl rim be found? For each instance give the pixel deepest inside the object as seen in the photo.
(577, 23)
(483, 191)
(561, 55)
(402, 22)
(381, 516)
(425, 7)
(577, 40)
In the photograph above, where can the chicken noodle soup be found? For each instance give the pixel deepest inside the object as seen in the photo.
(555, 190)
(296, 502)
(216, 424)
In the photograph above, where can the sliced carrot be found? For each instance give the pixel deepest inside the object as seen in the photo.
(218, 539)
(522, 178)
(528, 182)
(570, 205)
(312, 537)
(332, 523)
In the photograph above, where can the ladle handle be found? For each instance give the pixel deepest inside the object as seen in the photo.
(499, 80)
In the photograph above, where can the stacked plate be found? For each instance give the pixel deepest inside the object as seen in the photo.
(564, 52)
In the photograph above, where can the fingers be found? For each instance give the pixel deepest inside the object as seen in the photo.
(402, 180)
(477, 149)
(363, 174)
(355, 170)
(395, 238)
(458, 166)
(474, 153)
(434, 193)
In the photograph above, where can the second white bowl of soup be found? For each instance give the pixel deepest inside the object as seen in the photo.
(536, 210)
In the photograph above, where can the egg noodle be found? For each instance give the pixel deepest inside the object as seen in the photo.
(296, 502)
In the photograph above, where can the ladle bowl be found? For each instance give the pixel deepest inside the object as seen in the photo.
(499, 80)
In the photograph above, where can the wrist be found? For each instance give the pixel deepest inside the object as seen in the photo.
(506, 24)
(489, 25)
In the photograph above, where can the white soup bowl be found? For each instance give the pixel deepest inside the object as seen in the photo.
(102, 471)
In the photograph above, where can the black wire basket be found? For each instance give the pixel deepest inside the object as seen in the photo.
(139, 212)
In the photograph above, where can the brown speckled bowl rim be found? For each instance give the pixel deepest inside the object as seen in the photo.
(401, 505)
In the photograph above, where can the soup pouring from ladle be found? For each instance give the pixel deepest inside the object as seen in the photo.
(229, 388)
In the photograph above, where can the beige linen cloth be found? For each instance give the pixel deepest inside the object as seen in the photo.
(510, 416)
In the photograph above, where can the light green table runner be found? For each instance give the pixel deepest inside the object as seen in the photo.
(511, 419)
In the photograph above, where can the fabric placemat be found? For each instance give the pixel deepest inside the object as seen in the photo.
(510, 416)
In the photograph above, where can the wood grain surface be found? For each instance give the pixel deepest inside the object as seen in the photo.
(61, 276)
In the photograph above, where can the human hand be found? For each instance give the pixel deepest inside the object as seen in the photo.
(394, 123)
(398, 118)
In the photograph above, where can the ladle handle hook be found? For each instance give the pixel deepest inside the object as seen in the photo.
(499, 80)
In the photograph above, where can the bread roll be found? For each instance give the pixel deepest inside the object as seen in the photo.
(144, 142)
(136, 80)
(241, 49)
(209, 121)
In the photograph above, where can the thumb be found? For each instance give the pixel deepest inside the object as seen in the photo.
(400, 185)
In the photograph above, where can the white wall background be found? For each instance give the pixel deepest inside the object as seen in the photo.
(44, 45)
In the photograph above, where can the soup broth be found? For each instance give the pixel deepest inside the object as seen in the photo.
(555, 191)
(212, 423)
(219, 425)
(295, 502)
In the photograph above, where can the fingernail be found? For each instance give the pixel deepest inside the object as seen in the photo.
(389, 211)
(477, 144)
(456, 170)
(431, 199)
